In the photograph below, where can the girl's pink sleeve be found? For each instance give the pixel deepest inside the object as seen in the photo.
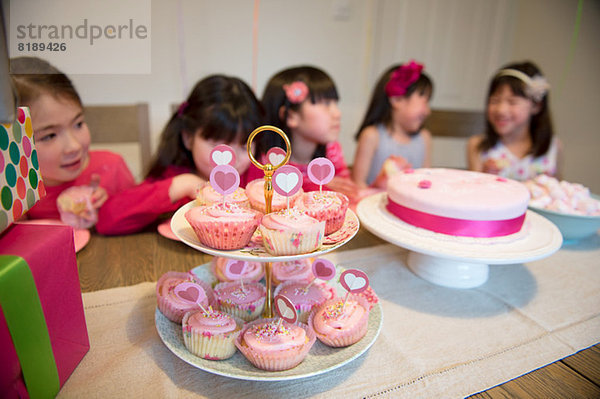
(334, 153)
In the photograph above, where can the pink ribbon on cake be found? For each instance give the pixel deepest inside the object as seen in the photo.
(456, 227)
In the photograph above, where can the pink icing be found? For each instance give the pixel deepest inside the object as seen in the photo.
(255, 190)
(208, 196)
(232, 293)
(316, 201)
(330, 319)
(287, 219)
(266, 337)
(75, 207)
(227, 212)
(253, 272)
(294, 270)
(303, 298)
(167, 291)
(215, 322)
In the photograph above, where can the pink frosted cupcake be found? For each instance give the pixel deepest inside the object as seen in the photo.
(291, 232)
(305, 299)
(211, 336)
(247, 303)
(169, 304)
(207, 195)
(75, 207)
(274, 349)
(336, 327)
(223, 226)
(254, 270)
(327, 206)
(255, 190)
(295, 270)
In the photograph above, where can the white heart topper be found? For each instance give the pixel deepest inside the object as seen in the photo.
(276, 159)
(286, 182)
(354, 282)
(222, 157)
(286, 311)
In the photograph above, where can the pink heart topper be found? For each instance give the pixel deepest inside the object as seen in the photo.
(354, 281)
(287, 180)
(234, 269)
(323, 269)
(225, 179)
(320, 171)
(275, 156)
(285, 308)
(222, 155)
(190, 292)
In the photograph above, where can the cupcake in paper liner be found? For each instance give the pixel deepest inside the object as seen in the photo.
(223, 226)
(338, 326)
(255, 190)
(247, 303)
(327, 206)
(75, 207)
(291, 232)
(294, 270)
(173, 307)
(254, 271)
(211, 335)
(207, 196)
(305, 297)
(271, 346)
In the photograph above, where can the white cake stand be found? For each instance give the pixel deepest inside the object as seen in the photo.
(458, 262)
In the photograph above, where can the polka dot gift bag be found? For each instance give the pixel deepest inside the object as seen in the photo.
(20, 180)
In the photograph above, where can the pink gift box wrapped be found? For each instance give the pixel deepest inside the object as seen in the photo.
(50, 253)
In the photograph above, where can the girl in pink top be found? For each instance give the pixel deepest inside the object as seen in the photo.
(303, 102)
(62, 139)
(219, 110)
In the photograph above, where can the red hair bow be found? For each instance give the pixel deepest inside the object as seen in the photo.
(402, 78)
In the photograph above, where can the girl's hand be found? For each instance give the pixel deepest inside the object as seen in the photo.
(99, 195)
(185, 185)
(391, 166)
(343, 185)
(491, 166)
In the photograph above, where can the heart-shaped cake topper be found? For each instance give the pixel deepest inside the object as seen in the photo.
(225, 179)
(320, 171)
(323, 269)
(191, 293)
(276, 156)
(285, 308)
(287, 180)
(234, 269)
(222, 155)
(354, 281)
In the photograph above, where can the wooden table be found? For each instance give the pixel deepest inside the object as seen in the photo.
(108, 262)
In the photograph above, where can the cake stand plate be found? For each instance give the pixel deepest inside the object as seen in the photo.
(458, 262)
(255, 251)
(320, 358)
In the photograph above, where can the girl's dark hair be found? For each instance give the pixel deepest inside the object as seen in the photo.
(221, 108)
(380, 110)
(320, 87)
(33, 77)
(540, 125)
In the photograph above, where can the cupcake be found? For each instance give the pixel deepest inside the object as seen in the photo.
(337, 325)
(254, 270)
(247, 303)
(295, 270)
(173, 307)
(210, 335)
(327, 206)
(305, 297)
(223, 226)
(75, 207)
(207, 195)
(273, 347)
(291, 232)
(255, 190)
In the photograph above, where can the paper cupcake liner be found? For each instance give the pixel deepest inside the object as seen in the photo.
(225, 235)
(175, 312)
(292, 242)
(333, 217)
(248, 311)
(282, 360)
(211, 347)
(343, 337)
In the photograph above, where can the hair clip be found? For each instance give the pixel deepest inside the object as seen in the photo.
(296, 92)
(402, 78)
(536, 87)
(182, 108)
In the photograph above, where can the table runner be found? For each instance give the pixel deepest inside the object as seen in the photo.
(435, 341)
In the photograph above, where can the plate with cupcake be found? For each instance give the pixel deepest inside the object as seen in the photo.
(213, 322)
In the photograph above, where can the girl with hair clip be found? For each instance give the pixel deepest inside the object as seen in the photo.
(303, 102)
(62, 141)
(219, 110)
(519, 142)
(391, 136)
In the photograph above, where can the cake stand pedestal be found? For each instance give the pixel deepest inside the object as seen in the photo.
(458, 262)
